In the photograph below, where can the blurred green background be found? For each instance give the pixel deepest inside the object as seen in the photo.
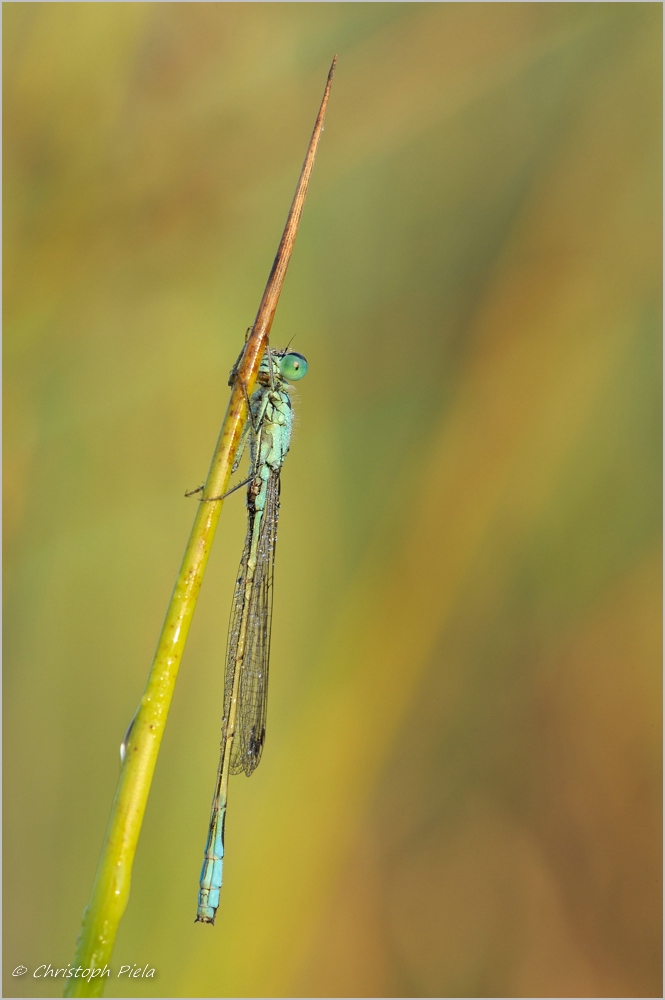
(460, 793)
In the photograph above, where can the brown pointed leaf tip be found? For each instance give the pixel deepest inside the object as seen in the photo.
(264, 317)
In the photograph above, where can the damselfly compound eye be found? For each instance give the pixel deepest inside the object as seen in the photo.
(293, 366)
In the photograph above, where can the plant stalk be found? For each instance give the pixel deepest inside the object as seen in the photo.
(110, 890)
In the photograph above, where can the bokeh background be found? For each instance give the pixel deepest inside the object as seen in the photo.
(460, 793)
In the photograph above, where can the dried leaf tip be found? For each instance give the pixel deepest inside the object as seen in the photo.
(264, 317)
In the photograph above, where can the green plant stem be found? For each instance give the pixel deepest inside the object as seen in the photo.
(110, 890)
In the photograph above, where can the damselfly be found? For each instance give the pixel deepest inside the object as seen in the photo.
(246, 678)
